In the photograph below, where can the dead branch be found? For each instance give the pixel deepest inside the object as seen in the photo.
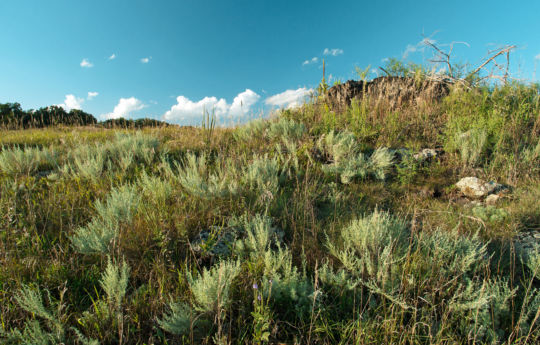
(500, 51)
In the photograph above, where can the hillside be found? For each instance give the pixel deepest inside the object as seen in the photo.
(373, 222)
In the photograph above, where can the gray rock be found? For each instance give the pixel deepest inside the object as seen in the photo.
(492, 199)
(473, 187)
(216, 241)
(527, 243)
(425, 154)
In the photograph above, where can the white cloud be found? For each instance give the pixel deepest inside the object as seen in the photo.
(333, 52)
(186, 109)
(308, 62)
(409, 50)
(537, 57)
(243, 102)
(92, 95)
(146, 59)
(86, 63)
(112, 57)
(124, 107)
(418, 47)
(290, 98)
(72, 102)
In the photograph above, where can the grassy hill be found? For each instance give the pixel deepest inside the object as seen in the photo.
(312, 227)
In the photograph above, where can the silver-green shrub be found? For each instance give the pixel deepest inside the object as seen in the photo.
(370, 246)
(114, 282)
(155, 188)
(259, 235)
(288, 289)
(51, 331)
(211, 289)
(119, 208)
(90, 161)
(178, 319)
(471, 146)
(263, 175)
(285, 129)
(25, 161)
(198, 179)
(346, 160)
(252, 129)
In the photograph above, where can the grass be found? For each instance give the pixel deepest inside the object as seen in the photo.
(335, 233)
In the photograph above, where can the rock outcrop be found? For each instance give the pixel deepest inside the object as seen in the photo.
(395, 91)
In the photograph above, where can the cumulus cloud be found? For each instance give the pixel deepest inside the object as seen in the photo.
(92, 95)
(186, 109)
(333, 52)
(308, 62)
(146, 59)
(112, 57)
(87, 64)
(537, 57)
(124, 107)
(289, 99)
(71, 102)
(243, 102)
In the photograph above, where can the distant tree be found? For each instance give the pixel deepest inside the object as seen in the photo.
(13, 117)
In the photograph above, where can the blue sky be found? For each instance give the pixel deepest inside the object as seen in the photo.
(172, 59)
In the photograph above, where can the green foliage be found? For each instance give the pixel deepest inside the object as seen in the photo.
(114, 282)
(490, 213)
(370, 245)
(286, 129)
(177, 320)
(252, 129)
(263, 176)
(52, 330)
(398, 68)
(471, 146)
(13, 117)
(343, 150)
(211, 290)
(119, 208)
(260, 236)
(282, 128)
(198, 180)
(268, 193)
(25, 161)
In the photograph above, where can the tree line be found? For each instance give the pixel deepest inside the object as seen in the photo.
(12, 116)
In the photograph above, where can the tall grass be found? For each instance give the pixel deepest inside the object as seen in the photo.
(333, 232)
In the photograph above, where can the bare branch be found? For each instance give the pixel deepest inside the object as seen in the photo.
(498, 52)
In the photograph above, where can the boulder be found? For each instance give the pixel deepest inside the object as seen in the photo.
(473, 187)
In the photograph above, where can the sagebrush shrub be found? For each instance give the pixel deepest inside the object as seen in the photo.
(211, 290)
(178, 319)
(198, 179)
(263, 175)
(286, 129)
(259, 235)
(347, 162)
(119, 208)
(25, 160)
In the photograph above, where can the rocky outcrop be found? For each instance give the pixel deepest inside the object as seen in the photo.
(394, 91)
